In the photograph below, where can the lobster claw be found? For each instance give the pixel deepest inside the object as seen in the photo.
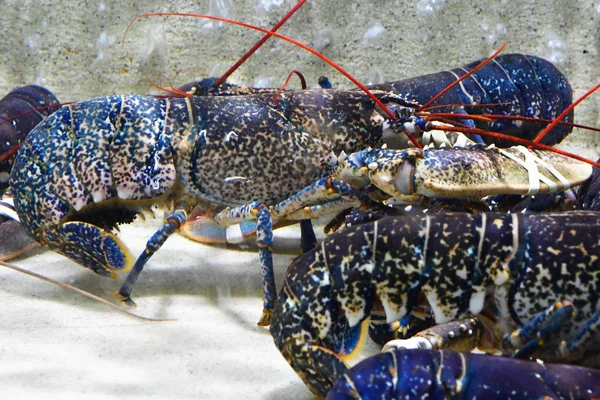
(90, 246)
(205, 230)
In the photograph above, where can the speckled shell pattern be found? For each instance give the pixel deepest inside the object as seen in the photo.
(346, 119)
(224, 150)
(588, 194)
(474, 173)
(528, 262)
(511, 84)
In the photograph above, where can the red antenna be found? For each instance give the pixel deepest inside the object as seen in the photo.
(557, 120)
(373, 97)
(292, 73)
(242, 60)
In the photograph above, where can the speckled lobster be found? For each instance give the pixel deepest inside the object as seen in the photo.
(97, 163)
(512, 267)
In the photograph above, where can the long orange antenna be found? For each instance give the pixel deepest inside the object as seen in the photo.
(292, 73)
(494, 117)
(172, 90)
(371, 95)
(557, 120)
(287, 39)
(81, 292)
(235, 66)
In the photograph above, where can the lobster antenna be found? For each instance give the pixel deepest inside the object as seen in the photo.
(81, 292)
(242, 60)
(564, 113)
(462, 105)
(292, 72)
(493, 117)
(287, 39)
(34, 110)
(368, 92)
(173, 91)
(10, 152)
(471, 72)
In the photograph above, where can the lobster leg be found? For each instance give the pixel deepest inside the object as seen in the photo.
(583, 336)
(532, 336)
(173, 222)
(461, 335)
(308, 240)
(315, 193)
(382, 332)
(264, 240)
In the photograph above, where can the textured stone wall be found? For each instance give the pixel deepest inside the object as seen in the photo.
(75, 47)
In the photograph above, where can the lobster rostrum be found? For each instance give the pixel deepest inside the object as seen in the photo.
(511, 266)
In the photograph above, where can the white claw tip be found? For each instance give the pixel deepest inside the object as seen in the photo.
(415, 342)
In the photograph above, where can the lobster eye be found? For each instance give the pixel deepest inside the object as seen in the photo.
(404, 178)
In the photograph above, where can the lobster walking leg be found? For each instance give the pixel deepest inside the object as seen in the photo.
(532, 336)
(173, 222)
(264, 240)
(461, 335)
(584, 337)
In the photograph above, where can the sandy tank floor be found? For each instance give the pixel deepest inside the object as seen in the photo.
(56, 344)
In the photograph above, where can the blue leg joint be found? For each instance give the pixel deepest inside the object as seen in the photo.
(264, 240)
(174, 221)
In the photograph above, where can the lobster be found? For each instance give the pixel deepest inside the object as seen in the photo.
(442, 374)
(94, 164)
(117, 155)
(510, 266)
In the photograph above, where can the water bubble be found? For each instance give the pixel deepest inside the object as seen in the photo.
(429, 6)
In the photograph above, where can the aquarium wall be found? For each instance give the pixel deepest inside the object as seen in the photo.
(77, 48)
